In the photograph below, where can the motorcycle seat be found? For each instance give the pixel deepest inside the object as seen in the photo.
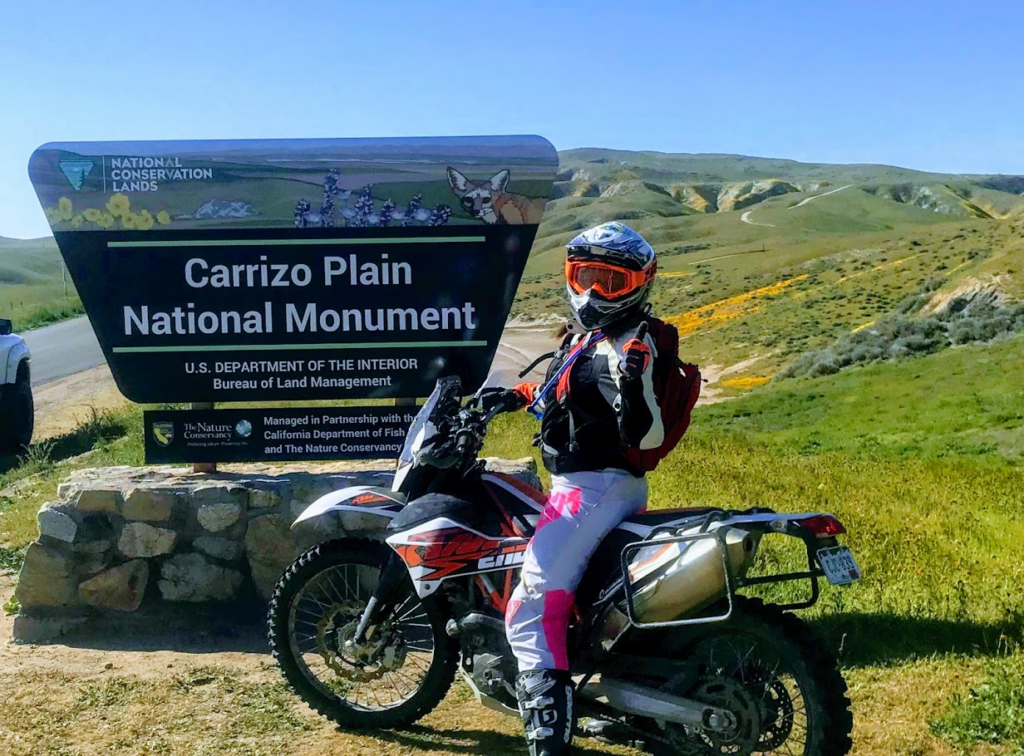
(659, 517)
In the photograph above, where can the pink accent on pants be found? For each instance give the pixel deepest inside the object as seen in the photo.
(582, 509)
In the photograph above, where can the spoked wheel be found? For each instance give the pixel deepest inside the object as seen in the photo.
(388, 680)
(782, 688)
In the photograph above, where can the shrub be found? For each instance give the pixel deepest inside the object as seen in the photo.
(966, 320)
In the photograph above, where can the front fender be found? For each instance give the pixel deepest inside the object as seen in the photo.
(356, 509)
(14, 349)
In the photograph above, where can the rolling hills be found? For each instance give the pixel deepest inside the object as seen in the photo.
(31, 285)
(761, 261)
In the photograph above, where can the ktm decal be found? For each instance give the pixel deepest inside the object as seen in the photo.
(452, 550)
(503, 560)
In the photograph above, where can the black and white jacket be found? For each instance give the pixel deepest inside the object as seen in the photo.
(595, 413)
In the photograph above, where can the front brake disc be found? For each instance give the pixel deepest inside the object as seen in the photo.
(360, 662)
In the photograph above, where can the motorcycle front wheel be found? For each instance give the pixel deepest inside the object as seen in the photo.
(388, 680)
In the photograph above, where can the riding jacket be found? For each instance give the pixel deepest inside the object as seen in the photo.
(594, 412)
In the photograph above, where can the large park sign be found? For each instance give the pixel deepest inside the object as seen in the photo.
(294, 270)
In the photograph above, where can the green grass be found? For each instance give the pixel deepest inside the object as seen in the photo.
(963, 402)
(107, 439)
(939, 540)
(31, 289)
(992, 712)
(937, 527)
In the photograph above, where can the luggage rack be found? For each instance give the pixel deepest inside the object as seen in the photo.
(732, 584)
(632, 588)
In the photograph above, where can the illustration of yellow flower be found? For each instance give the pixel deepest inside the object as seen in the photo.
(128, 220)
(119, 205)
(106, 220)
(163, 217)
(144, 220)
(76, 221)
(92, 214)
(65, 209)
(52, 215)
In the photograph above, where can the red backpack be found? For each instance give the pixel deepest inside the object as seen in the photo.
(676, 387)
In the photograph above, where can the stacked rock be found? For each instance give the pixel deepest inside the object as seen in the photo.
(119, 536)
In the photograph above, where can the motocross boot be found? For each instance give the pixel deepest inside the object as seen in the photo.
(545, 703)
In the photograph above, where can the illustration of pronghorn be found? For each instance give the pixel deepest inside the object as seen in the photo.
(488, 201)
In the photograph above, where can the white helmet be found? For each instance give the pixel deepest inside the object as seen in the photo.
(609, 271)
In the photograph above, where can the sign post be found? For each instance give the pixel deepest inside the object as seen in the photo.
(292, 270)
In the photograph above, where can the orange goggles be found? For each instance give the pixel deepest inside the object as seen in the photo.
(608, 280)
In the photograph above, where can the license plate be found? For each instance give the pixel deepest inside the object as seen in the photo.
(839, 565)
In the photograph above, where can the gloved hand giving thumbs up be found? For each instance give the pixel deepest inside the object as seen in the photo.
(636, 355)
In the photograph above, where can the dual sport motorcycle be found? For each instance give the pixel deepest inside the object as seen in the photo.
(409, 585)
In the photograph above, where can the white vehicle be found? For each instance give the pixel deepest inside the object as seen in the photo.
(17, 413)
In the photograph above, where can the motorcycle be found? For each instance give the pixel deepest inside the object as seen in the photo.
(371, 626)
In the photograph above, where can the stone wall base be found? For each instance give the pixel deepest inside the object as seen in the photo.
(120, 537)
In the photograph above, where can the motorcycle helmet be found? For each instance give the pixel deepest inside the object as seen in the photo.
(609, 271)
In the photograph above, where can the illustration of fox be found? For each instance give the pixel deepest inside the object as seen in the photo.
(488, 201)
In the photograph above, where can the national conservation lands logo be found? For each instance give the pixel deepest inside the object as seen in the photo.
(132, 174)
(163, 433)
(76, 171)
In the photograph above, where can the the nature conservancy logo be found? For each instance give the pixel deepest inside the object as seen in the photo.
(243, 429)
(163, 433)
(76, 171)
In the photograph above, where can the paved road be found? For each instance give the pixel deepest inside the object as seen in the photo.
(70, 347)
(63, 349)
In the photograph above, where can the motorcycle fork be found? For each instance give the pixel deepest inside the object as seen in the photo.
(384, 598)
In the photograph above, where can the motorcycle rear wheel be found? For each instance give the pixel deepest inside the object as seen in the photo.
(769, 664)
(388, 683)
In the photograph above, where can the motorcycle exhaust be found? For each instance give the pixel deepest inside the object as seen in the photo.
(681, 577)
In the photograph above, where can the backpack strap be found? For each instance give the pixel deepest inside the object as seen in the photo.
(592, 337)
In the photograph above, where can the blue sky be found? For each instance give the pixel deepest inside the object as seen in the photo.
(927, 85)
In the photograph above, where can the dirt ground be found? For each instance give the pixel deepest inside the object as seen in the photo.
(168, 686)
(64, 404)
(193, 682)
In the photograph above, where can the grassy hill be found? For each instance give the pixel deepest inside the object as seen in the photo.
(31, 286)
(797, 256)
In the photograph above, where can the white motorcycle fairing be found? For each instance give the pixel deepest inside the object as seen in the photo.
(355, 509)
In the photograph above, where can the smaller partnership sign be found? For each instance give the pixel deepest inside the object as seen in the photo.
(276, 435)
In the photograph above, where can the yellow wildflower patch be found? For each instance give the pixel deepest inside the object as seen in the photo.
(728, 309)
(748, 382)
(65, 209)
(877, 268)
